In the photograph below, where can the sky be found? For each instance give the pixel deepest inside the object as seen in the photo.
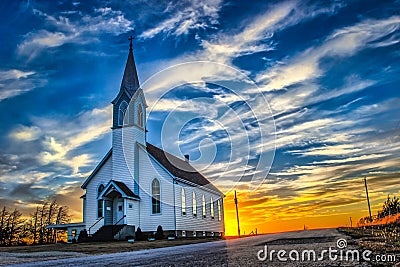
(291, 103)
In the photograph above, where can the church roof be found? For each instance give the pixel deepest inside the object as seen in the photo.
(179, 168)
(125, 189)
(120, 187)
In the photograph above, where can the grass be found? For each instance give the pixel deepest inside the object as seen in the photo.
(106, 247)
(382, 238)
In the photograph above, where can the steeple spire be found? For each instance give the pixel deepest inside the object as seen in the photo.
(130, 81)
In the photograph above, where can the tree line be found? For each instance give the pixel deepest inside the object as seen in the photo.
(390, 207)
(17, 230)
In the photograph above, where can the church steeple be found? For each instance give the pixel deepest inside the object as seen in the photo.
(130, 81)
(129, 106)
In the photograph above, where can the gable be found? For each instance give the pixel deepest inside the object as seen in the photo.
(120, 187)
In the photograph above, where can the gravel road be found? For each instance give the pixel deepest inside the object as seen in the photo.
(233, 252)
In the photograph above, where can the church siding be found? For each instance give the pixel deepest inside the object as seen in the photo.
(149, 221)
(132, 212)
(189, 222)
(124, 143)
(101, 177)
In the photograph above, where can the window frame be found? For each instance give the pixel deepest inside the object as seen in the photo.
(122, 114)
(140, 120)
(212, 211)
(100, 202)
(154, 202)
(183, 202)
(219, 210)
(204, 210)
(194, 204)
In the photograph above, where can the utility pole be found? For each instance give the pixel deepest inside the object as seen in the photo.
(237, 214)
(369, 206)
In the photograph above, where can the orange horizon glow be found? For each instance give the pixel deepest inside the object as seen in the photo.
(249, 222)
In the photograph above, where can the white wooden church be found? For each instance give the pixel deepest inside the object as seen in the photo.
(137, 184)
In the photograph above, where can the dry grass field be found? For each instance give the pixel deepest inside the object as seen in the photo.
(381, 238)
(106, 247)
(21, 254)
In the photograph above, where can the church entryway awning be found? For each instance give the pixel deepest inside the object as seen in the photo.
(117, 189)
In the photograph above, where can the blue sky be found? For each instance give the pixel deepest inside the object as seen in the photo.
(308, 88)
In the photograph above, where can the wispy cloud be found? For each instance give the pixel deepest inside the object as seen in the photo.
(14, 82)
(257, 35)
(78, 28)
(185, 17)
(25, 133)
(341, 43)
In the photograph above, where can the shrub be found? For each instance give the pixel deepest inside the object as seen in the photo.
(83, 236)
(139, 235)
(159, 233)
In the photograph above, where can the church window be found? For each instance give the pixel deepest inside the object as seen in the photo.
(212, 208)
(155, 197)
(99, 208)
(140, 116)
(100, 202)
(100, 189)
(219, 210)
(204, 206)
(183, 202)
(122, 120)
(194, 204)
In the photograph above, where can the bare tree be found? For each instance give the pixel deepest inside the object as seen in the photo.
(47, 214)
(14, 230)
(34, 225)
(3, 229)
(11, 227)
(50, 219)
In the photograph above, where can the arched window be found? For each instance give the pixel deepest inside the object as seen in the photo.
(121, 114)
(100, 201)
(204, 206)
(155, 197)
(100, 189)
(183, 202)
(194, 204)
(212, 208)
(140, 116)
(219, 210)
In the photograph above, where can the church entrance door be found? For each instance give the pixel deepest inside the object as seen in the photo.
(119, 211)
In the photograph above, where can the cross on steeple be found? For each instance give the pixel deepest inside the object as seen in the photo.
(130, 43)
